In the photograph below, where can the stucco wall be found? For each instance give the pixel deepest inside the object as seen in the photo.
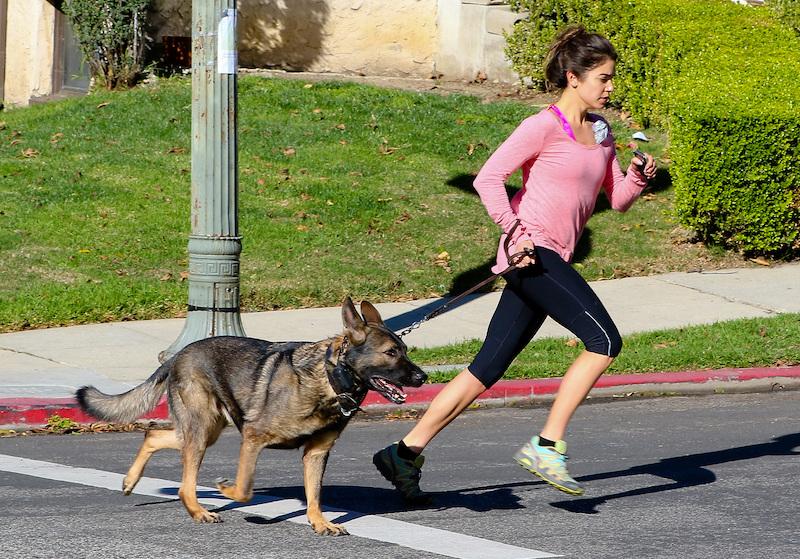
(397, 37)
(29, 52)
(472, 41)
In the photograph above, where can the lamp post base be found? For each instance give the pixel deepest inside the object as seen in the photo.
(213, 292)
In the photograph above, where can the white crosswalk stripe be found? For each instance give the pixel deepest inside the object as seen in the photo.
(414, 536)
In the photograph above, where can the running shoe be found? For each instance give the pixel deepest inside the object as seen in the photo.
(403, 474)
(548, 463)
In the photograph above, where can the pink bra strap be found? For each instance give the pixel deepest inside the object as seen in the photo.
(564, 123)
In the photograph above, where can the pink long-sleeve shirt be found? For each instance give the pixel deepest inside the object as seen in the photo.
(561, 180)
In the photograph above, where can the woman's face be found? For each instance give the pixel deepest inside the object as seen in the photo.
(595, 86)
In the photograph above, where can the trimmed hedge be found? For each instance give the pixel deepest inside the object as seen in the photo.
(722, 78)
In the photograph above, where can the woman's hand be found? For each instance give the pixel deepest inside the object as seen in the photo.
(521, 246)
(649, 170)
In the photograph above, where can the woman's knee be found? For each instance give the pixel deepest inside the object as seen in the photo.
(616, 345)
(606, 341)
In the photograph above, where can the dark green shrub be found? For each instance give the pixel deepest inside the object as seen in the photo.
(111, 38)
(732, 99)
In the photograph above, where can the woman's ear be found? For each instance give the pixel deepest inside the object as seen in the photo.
(572, 78)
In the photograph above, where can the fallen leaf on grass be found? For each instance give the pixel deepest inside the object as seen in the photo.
(289, 152)
(472, 147)
(443, 261)
(30, 153)
(664, 345)
(176, 150)
(572, 342)
(101, 105)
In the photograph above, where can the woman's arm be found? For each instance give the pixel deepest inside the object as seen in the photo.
(622, 189)
(524, 144)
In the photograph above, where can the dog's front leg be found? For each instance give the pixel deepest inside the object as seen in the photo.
(315, 458)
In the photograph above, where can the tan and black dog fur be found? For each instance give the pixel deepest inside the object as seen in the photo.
(277, 394)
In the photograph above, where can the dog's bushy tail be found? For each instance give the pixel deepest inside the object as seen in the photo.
(128, 406)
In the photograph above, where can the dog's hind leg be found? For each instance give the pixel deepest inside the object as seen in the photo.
(198, 417)
(154, 440)
(242, 490)
(315, 458)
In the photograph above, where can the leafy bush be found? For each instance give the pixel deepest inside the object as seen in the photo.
(527, 45)
(111, 38)
(788, 11)
(722, 78)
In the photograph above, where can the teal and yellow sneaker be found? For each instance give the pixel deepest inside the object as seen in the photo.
(403, 474)
(548, 463)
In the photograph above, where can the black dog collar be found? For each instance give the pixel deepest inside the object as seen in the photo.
(344, 382)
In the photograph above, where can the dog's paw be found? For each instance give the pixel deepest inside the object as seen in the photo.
(330, 529)
(232, 491)
(127, 486)
(205, 517)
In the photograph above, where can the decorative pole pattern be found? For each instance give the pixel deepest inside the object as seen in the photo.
(214, 244)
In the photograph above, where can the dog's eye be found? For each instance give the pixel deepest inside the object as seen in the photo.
(391, 352)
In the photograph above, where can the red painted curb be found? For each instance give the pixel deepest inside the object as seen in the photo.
(29, 412)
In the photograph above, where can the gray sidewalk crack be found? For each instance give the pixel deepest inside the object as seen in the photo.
(20, 352)
(767, 309)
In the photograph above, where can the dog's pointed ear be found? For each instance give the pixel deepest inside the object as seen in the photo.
(370, 313)
(354, 326)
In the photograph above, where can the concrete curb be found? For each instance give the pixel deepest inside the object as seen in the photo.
(26, 413)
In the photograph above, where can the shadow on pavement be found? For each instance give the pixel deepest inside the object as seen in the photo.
(684, 471)
(357, 501)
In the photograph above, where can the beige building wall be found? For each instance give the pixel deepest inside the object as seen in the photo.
(29, 50)
(395, 38)
(375, 37)
(416, 38)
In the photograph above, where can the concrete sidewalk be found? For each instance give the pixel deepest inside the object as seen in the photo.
(41, 369)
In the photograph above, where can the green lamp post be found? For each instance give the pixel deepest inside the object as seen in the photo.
(214, 243)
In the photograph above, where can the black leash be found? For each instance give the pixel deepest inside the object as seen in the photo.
(513, 261)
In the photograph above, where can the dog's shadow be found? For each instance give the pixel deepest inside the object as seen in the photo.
(682, 471)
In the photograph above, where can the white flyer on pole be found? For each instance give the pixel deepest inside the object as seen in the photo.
(227, 55)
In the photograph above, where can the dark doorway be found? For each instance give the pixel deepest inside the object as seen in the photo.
(70, 70)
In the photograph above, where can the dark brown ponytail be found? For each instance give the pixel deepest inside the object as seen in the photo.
(578, 51)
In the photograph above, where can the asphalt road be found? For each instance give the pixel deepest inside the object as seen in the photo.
(699, 477)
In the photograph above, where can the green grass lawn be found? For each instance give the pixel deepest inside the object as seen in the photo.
(345, 189)
(752, 342)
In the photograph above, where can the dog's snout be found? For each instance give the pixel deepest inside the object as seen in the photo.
(418, 378)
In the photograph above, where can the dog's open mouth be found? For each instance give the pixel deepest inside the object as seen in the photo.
(388, 389)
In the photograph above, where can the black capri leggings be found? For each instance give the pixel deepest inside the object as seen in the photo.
(550, 287)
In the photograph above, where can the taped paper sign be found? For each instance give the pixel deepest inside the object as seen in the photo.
(226, 43)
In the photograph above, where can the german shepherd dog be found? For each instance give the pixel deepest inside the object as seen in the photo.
(278, 394)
